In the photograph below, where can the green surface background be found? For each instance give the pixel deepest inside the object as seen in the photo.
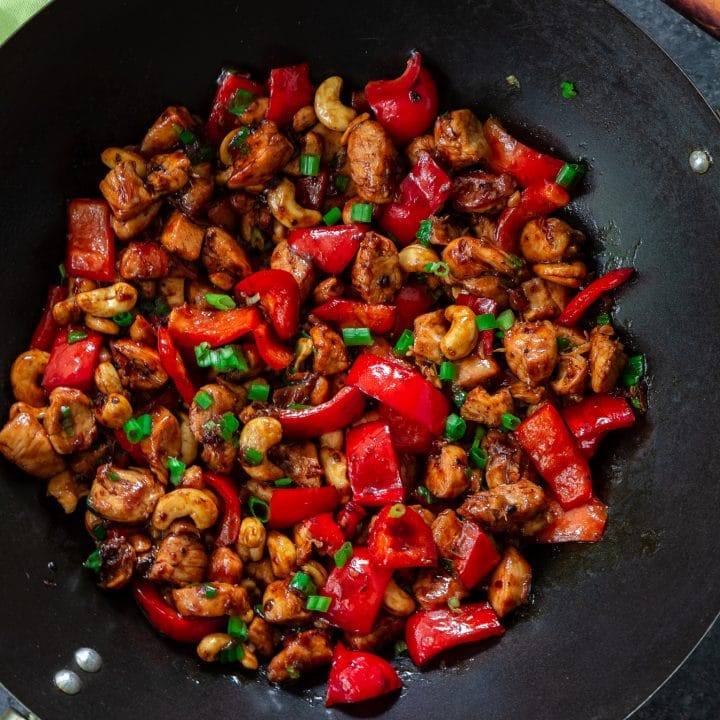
(13, 13)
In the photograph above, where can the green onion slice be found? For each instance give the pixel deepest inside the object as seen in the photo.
(486, 321)
(66, 420)
(454, 602)
(99, 532)
(602, 319)
(448, 371)
(333, 216)
(568, 89)
(75, 336)
(220, 301)
(569, 174)
(63, 272)
(423, 234)
(425, 495)
(237, 628)
(240, 101)
(223, 359)
(510, 421)
(138, 428)
(397, 510)
(458, 395)
(563, 344)
(309, 164)
(634, 370)
(404, 343)
(240, 137)
(357, 336)
(478, 457)
(400, 647)
(93, 561)
(177, 470)
(343, 554)
(455, 427)
(229, 424)
(253, 457)
(318, 603)
(259, 509)
(361, 212)
(506, 319)
(283, 482)
(187, 137)
(259, 391)
(342, 182)
(203, 399)
(210, 591)
(123, 319)
(303, 583)
(439, 269)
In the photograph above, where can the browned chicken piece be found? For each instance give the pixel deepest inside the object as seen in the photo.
(373, 162)
(445, 476)
(460, 139)
(281, 604)
(182, 236)
(567, 274)
(487, 408)
(125, 191)
(144, 261)
(446, 529)
(260, 572)
(469, 257)
(481, 192)
(528, 394)
(66, 490)
(255, 224)
(429, 330)
(127, 229)
(285, 258)
(23, 441)
(504, 507)
(607, 359)
(199, 190)
(162, 136)
(84, 463)
(262, 636)
(490, 286)
(549, 240)
(510, 582)
(475, 369)
(168, 173)
(162, 443)
(298, 461)
(443, 230)
(305, 651)
(417, 147)
(118, 559)
(138, 365)
(376, 274)
(572, 374)
(541, 304)
(386, 630)
(531, 350)
(506, 462)
(263, 153)
(69, 421)
(330, 354)
(181, 559)
(328, 289)
(222, 254)
(124, 496)
(433, 589)
(225, 566)
(303, 390)
(212, 600)
(219, 454)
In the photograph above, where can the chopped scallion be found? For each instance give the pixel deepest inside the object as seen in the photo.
(240, 102)
(454, 602)
(425, 495)
(252, 457)
(361, 212)
(404, 343)
(509, 421)
(478, 457)
(259, 509)
(448, 371)
(93, 561)
(66, 420)
(357, 336)
(344, 553)
(563, 344)
(99, 532)
(240, 137)
(458, 395)
(634, 370)
(75, 336)
(318, 603)
(237, 628)
(210, 591)
(400, 647)
(342, 182)
(123, 319)
(220, 301)
(397, 510)
(309, 164)
(187, 137)
(283, 482)
(439, 269)
(177, 470)
(455, 427)
(568, 89)
(486, 321)
(203, 399)
(223, 359)
(506, 319)
(332, 216)
(63, 272)
(259, 391)
(602, 319)
(423, 234)
(229, 424)
(138, 428)
(303, 583)
(569, 174)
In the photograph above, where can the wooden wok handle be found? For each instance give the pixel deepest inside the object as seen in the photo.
(705, 13)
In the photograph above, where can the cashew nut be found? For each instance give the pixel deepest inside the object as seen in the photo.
(304, 119)
(107, 380)
(285, 209)
(66, 311)
(66, 491)
(102, 325)
(113, 155)
(108, 301)
(316, 571)
(188, 443)
(210, 647)
(328, 108)
(396, 601)
(567, 274)
(415, 258)
(460, 340)
(115, 411)
(283, 555)
(251, 539)
(334, 465)
(185, 502)
(260, 434)
(25, 376)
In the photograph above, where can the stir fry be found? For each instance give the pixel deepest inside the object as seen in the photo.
(316, 373)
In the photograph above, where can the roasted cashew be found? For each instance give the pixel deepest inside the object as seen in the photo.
(316, 571)
(107, 380)
(460, 340)
(66, 491)
(66, 311)
(185, 502)
(25, 376)
(285, 209)
(283, 554)
(334, 465)
(108, 301)
(188, 443)
(251, 540)
(396, 601)
(210, 647)
(328, 108)
(567, 274)
(113, 155)
(415, 258)
(102, 325)
(260, 434)
(114, 412)
(304, 119)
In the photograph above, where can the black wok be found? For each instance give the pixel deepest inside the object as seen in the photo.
(610, 621)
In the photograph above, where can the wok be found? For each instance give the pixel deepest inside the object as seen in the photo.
(609, 621)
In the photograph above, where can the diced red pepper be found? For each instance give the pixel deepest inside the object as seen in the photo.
(72, 364)
(594, 416)
(402, 388)
(47, 329)
(221, 121)
(357, 591)
(279, 298)
(330, 248)
(474, 554)
(412, 300)
(190, 326)
(226, 488)
(479, 305)
(372, 465)
(174, 365)
(91, 241)
(291, 505)
(133, 450)
(400, 538)
(539, 199)
(584, 523)
(508, 155)
(350, 516)
(310, 190)
(407, 436)
(325, 532)
(407, 105)
(556, 456)
(168, 621)
(275, 355)
(337, 413)
(576, 308)
(429, 632)
(290, 89)
(379, 319)
(356, 675)
(422, 193)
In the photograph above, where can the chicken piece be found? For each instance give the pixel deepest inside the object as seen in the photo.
(168, 173)
(429, 329)
(469, 257)
(262, 636)
(527, 394)
(505, 507)
(549, 239)
(162, 136)
(489, 286)
(225, 566)
(138, 365)
(144, 261)
(222, 254)
(571, 376)
(301, 391)
(376, 274)
(218, 454)
(212, 600)
(117, 562)
(124, 496)
(531, 350)
(481, 192)
(256, 222)
(128, 229)
(125, 191)
(373, 162)
(285, 258)
(180, 560)
(281, 604)
(23, 441)
(506, 461)
(162, 443)
(418, 146)
(434, 588)
(299, 461)
(607, 359)
(510, 582)
(199, 190)
(445, 476)
(64, 488)
(330, 354)
(460, 139)
(540, 303)
(328, 289)
(182, 237)
(305, 651)
(260, 572)
(386, 630)
(69, 421)
(263, 153)
(475, 369)
(443, 230)
(446, 529)
(487, 408)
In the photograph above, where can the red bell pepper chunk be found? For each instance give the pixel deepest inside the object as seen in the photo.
(356, 675)
(479, 305)
(290, 89)
(275, 355)
(379, 319)
(401, 542)
(422, 193)
(474, 554)
(174, 366)
(357, 591)
(594, 416)
(429, 632)
(291, 505)
(47, 329)
(407, 436)
(230, 527)
(372, 465)
(556, 456)
(326, 534)
(584, 523)
(335, 414)
(412, 300)
(133, 450)
(72, 364)
(402, 388)
(168, 621)
(221, 120)
(576, 308)
(349, 517)
(279, 298)
(508, 155)
(539, 199)
(91, 241)
(330, 248)
(407, 105)
(190, 326)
